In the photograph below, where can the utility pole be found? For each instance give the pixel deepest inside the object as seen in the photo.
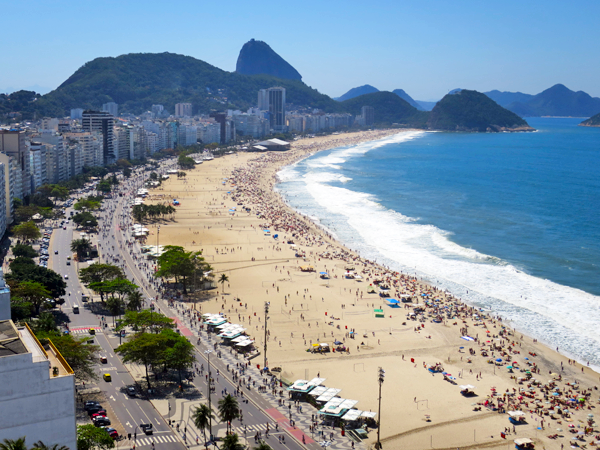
(380, 377)
(266, 319)
(207, 353)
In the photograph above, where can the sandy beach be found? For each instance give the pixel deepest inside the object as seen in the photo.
(421, 408)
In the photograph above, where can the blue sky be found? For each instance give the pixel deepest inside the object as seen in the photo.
(426, 48)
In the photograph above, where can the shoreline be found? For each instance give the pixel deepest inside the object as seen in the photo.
(255, 178)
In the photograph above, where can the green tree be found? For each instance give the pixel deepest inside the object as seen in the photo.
(25, 269)
(228, 410)
(99, 273)
(82, 247)
(24, 250)
(179, 354)
(232, 442)
(90, 437)
(134, 300)
(80, 355)
(34, 293)
(85, 219)
(142, 348)
(262, 445)
(59, 192)
(114, 305)
(27, 231)
(176, 263)
(185, 162)
(146, 320)
(25, 213)
(202, 417)
(127, 172)
(39, 445)
(223, 279)
(89, 203)
(45, 323)
(13, 444)
(104, 186)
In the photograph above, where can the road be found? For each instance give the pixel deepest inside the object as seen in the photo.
(256, 409)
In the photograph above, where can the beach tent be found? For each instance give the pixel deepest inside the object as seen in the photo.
(328, 395)
(352, 415)
(318, 390)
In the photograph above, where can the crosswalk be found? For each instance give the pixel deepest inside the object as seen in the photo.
(85, 330)
(254, 428)
(156, 438)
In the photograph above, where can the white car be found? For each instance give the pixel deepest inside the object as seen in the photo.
(66, 277)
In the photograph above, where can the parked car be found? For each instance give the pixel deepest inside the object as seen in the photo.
(101, 413)
(101, 421)
(112, 432)
(92, 407)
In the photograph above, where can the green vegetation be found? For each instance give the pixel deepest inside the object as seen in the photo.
(82, 247)
(176, 263)
(137, 81)
(593, 121)
(96, 275)
(85, 219)
(90, 437)
(90, 203)
(229, 410)
(201, 416)
(166, 349)
(142, 212)
(24, 269)
(472, 111)
(232, 442)
(104, 186)
(185, 162)
(145, 321)
(389, 109)
(19, 444)
(24, 250)
(27, 231)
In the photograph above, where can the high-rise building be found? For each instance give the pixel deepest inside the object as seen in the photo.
(13, 143)
(126, 141)
(112, 108)
(3, 224)
(37, 156)
(277, 108)
(183, 110)
(368, 114)
(91, 147)
(5, 313)
(157, 110)
(76, 113)
(102, 122)
(37, 389)
(9, 168)
(263, 100)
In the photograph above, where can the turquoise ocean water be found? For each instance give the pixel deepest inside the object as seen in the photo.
(508, 222)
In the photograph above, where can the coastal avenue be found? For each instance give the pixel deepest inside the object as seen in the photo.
(133, 411)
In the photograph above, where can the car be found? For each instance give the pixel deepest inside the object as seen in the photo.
(56, 252)
(112, 432)
(101, 413)
(131, 391)
(147, 427)
(101, 421)
(92, 406)
(64, 228)
(107, 377)
(68, 263)
(103, 360)
(66, 277)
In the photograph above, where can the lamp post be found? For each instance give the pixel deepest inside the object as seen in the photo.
(207, 353)
(266, 319)
(380, 377)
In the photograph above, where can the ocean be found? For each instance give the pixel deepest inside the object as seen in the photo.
(508, 222)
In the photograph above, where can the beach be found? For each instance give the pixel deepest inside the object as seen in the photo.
(428, 347)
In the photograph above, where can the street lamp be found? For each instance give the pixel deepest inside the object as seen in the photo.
(266, 319)
(380, 377)
(207, 353)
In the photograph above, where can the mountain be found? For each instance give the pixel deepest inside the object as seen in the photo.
(357, 91)
(389, 109)
(473, 111)
(404, 96)
(136, 81)
(558, 101)
(426, 106)
(506, 98)
(591, 122)
(256, 57)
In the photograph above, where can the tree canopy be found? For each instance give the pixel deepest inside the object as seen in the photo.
(177, 263)
(28, 231)
(90, 437)
(24, 250)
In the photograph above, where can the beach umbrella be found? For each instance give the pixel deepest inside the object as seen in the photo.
(499, 360)
(590, 415)
(526, 359)
(461, 348)
(509, 367)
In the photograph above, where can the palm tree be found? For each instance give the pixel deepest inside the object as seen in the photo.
(228, 410)
(41, 446)
(81, 247)
(232, 442)
(134, 301)
(262, 445)
(223, 279)
(201, 417)
(13, 444)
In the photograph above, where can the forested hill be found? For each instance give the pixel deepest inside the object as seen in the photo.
(136, 81)
(593, 121)
(389, 109)
(473, 111)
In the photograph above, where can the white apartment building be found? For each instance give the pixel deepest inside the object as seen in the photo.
(13, 143)
(10, 170)
(37, 157)
(183, 110)
(76, 114)
(91, 147)
(112, 108)
(209, 132)
(4, 214)
(37, 389)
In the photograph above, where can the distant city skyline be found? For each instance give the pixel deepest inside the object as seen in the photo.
(425, 49)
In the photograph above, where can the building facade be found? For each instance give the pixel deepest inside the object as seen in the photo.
(112, 108)
(183, 110)
(103, 123)
(277, 109)
(37, 389)
(13, 143)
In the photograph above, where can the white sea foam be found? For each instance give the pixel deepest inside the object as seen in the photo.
(559, 315)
